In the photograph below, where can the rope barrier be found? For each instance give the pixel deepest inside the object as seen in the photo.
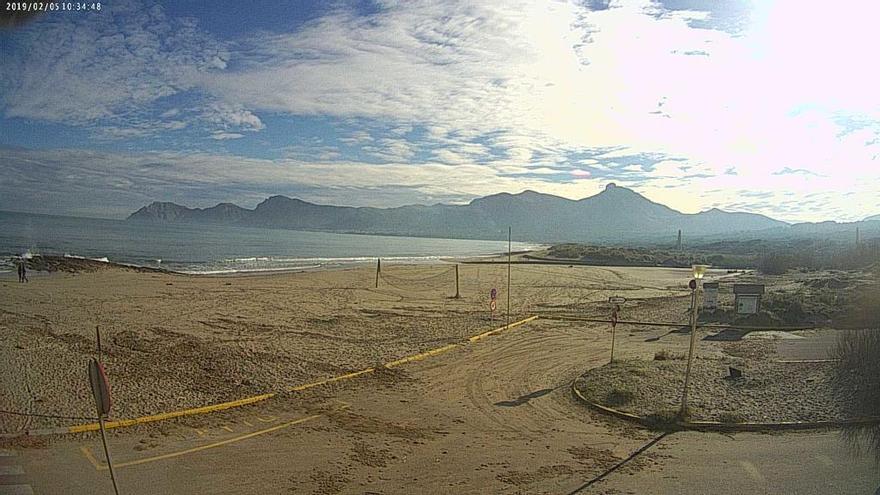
(384, 274)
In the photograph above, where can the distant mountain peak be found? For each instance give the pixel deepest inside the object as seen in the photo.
(612, 189)
(616, 213)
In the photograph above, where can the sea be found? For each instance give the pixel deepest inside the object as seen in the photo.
(219, 249)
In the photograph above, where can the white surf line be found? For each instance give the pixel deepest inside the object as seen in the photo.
(10, 475)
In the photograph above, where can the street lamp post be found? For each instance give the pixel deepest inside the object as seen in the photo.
(699, 271)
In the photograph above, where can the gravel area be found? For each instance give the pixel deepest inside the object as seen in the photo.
(767, 391)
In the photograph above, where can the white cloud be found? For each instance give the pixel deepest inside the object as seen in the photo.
(109, 72)
(222, 136)
(232, 117)
(84, 182)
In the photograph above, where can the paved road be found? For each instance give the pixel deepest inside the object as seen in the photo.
(12, 475)
(493, 417)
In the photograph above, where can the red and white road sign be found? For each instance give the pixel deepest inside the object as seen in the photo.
(100, 387)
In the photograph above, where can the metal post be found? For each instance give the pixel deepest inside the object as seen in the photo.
(508, 277)
(687, 373)
(101, 422)
(378, 269)
(107, 453)
(457, 294)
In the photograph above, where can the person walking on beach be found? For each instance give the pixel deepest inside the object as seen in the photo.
(22, 272)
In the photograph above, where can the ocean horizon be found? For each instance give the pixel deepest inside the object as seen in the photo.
(219, 249)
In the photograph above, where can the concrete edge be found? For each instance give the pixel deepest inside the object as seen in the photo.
(122, 423)
(728, 427)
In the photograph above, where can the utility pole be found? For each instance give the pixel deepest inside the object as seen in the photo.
(457, 294)
(678, 244)
(508, 275)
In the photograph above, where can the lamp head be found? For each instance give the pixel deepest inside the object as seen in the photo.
(699, 271)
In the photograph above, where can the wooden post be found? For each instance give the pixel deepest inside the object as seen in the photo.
(613, 327)
(508, 277)
(378, 269)
(611, 361)
(457, 294)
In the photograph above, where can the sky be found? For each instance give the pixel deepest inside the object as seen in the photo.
(764, 107)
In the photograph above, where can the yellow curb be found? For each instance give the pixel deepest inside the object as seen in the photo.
(300, 388)
(419, 357)
(501, 329)
(257, 398)
(169, 415)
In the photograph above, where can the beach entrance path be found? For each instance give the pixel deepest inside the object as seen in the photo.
(492, 417)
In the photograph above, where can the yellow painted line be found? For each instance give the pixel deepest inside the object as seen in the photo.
(298, 388)
(423, 355)
(91, 458)
(501, 329)
(100, 466)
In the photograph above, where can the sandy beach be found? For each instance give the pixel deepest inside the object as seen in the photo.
(175, 341)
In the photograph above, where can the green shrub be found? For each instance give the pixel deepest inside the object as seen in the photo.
(667, 355)
(857, 383)
(774, 264)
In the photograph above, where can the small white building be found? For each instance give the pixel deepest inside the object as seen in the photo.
(710, 295)
(747, 298)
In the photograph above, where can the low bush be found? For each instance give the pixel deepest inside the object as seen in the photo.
(857, 383)
(667, 355)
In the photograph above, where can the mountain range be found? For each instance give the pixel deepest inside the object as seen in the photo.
(617, 214)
